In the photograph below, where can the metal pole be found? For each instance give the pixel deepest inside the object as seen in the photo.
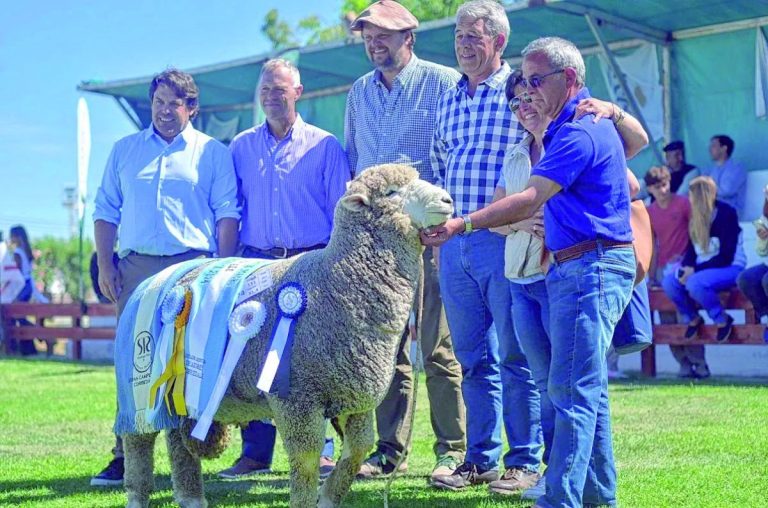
(667, 84)
(623, 82)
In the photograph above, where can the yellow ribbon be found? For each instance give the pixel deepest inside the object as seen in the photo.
(174, 372)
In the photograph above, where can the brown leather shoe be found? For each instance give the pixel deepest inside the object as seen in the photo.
(514, 480)
(379, 466)
(243, 468)
(465, 475)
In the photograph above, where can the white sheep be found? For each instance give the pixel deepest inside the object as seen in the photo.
(359, 294)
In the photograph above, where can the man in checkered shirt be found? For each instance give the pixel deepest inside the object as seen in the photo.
(474, 128)
(390, 117)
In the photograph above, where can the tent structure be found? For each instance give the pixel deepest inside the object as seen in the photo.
(706, 70)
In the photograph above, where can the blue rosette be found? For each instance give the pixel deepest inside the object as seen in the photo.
(172, 305)
(246, 320)
(275, 375)
(291, 300)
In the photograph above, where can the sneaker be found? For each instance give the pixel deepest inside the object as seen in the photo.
(379, 466)
(692, 331)
(445, 466)
(111, 476)
(724, 332)
(514, 480)
(466, 474)
(326, 467)
(535, 492)
(702, 372)
(243, 468)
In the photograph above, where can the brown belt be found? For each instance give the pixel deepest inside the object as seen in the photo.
(278, 252)
(575, 251)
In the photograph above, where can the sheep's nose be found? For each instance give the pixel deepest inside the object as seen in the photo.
(447, 200)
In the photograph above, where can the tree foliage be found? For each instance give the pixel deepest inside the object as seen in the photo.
(312, 30)
(58, 262)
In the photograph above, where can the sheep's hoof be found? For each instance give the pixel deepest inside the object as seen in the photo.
(193, 503)
(136, 502)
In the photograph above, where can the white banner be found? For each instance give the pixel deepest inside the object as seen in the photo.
(83, 154)
(761, 74)
(641, 72)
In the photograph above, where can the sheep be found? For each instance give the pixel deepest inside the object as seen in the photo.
(360, 290)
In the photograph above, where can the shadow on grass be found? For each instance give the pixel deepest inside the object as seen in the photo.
(40, 492)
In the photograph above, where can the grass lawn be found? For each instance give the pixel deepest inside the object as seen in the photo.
(677, 445)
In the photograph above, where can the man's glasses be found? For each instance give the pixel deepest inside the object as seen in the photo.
(517, 101)
(536, 81)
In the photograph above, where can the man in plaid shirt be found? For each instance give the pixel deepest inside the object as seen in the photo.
(474, 128)
(390, 117)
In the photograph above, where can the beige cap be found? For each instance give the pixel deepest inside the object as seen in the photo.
(386, 14)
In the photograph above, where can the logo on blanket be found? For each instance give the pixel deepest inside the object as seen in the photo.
(142, 352)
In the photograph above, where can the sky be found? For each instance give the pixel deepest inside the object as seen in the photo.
(48, 47)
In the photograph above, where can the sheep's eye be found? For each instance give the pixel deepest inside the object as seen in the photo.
(392, 192)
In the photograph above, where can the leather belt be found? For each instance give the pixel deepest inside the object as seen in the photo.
(278, 252)
(577, 250)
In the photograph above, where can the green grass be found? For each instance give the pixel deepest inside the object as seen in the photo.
(677, 445)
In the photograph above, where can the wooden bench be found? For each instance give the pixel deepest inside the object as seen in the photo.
(42, 326)
(751, 332)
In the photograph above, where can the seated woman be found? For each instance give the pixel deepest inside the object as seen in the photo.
(712, 262)
(753, 281)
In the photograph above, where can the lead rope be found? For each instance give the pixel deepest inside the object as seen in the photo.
(416, 363)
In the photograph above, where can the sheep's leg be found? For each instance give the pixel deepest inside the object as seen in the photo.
(303, 437)
(139, 468)
(186, 472)
(358, 440)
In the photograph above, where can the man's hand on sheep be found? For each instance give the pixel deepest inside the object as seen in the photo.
(435, 236)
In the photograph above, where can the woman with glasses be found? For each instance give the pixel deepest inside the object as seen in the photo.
(525, 255)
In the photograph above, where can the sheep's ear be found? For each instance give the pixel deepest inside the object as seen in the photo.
(355, 202)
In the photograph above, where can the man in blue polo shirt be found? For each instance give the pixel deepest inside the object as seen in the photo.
(582, 178)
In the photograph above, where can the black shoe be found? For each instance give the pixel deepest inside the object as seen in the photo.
(692, 331)
(465, 475)
(111, 476)
(724, 332)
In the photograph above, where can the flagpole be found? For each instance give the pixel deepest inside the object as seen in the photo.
(83, 156)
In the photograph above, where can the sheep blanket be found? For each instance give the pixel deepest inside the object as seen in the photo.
(144, 343)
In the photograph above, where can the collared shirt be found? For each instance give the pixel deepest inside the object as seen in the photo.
(396, 125)
(288, 187)
(731, 180)
(471, 136)
(587, 160)
(166, 198)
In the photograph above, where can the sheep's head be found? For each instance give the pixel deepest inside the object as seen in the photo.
(395, 193)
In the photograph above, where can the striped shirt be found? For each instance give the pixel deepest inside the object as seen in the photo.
(288, 187)
(396, 125)
(471, 136)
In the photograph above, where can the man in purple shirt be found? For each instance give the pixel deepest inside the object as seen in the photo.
(290, 176)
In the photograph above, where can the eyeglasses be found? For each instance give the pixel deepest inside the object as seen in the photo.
(517, 101)
(536, 81)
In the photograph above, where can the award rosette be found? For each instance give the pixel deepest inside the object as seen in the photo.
(245, 322)
(291, 302)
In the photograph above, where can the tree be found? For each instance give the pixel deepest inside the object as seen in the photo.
(311, 30)
(59, 260)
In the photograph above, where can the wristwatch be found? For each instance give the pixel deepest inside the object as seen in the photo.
(467, 225)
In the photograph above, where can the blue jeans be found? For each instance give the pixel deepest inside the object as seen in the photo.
(259, 442)
(497, 382)
(702, 287)
(753, 282)
(634, 331)
(587, 296)
(530, 310)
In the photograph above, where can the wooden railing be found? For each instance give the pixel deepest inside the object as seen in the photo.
(46, 323)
